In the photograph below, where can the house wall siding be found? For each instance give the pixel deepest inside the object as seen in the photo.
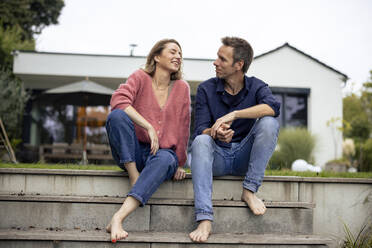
(288, 68)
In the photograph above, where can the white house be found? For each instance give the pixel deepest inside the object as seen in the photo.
(309, 90)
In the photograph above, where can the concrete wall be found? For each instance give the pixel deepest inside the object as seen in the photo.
(338, 203)
(336, 200)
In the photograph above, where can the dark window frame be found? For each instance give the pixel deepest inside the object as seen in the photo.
(296, 92)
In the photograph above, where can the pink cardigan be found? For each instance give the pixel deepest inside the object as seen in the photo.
(172, 122)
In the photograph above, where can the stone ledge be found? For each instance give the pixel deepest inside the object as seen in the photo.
(119, 200)
(159, 237)
(68, 172)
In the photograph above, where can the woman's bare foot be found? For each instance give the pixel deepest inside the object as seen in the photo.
(116, 229)
(254, 203)
(201, 233)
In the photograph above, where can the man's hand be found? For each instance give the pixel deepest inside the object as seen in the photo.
(224, 133)
(154, 140)
(180, 174)
(226, 119)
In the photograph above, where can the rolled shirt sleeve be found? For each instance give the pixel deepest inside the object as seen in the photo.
(125, 94)
(265, 96)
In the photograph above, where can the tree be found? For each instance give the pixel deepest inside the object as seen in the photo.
(355, 115)
(357, 112)
(10, 40)
(13, 99)
(12, 94)
(366, 98)
(32, 16)
(19, 21)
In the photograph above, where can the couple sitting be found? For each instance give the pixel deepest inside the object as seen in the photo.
(235, 130)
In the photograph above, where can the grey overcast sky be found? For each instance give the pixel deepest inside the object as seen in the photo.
(337, 32)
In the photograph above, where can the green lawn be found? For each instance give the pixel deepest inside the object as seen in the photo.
(114, 167)
(321, 174)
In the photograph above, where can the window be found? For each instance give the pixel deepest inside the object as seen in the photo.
(293, 110)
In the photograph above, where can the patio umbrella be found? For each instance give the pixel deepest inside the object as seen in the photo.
(84, 93)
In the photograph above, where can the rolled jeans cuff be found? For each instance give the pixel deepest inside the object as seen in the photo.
(138, 198)
(125, 161)
(251, 187)
(204, 216)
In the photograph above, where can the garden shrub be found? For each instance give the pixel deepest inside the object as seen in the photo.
(366, 163)
(362, 239)
(13, 99)
(276, 162)
(293, 144)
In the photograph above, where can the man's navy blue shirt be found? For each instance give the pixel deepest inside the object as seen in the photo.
(213, 102)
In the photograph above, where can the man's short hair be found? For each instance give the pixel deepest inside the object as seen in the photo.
(242, 50)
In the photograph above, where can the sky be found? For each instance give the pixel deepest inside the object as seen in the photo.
(336, 32)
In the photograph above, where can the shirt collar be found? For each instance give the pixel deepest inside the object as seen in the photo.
(221, 87)
(247, 82)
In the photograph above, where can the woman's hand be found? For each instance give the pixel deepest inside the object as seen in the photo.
(180, 174)
(154, 140)
(139, 120)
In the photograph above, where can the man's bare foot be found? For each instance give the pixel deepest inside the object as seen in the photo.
(254, 203)
(116, 229)
(201, 233)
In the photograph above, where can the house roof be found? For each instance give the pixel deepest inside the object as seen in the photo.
(305, 54)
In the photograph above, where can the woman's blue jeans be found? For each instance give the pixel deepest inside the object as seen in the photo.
(247, 158)
(125, 147)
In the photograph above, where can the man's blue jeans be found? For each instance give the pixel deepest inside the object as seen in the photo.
(249, 158)
(125, 147)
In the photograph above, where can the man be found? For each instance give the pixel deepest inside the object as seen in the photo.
(235, 129)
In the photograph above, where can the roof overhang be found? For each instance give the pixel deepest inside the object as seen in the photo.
(40, 70)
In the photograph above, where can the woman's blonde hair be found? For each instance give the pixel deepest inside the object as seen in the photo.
(155, 51)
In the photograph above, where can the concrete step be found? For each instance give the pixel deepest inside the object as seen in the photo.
(41, 238)
(69, 212)
(116, 183)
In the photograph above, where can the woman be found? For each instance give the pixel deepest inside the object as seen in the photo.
(148, 128)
